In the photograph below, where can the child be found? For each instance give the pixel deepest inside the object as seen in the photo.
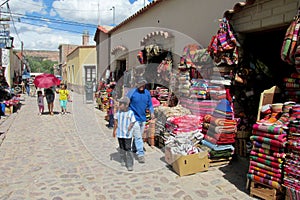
(63, 98)
(124, 121)
(110, 113)
(40, 100)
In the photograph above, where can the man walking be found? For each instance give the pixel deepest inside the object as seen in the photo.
(140, 100)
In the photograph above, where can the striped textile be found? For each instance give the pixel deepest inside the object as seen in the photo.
(267, 146)
(291, 80)
(281, 137)
(268, 157)
(266, 162)
(266, 167)
(256, 178)
(270, 152)
(278, 175)
(222, 121)
(265, 140)
(266, 176)
(268, 129)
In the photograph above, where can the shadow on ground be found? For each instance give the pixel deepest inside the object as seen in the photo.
(236, 172)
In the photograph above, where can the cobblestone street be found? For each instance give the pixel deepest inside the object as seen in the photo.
(74, 156)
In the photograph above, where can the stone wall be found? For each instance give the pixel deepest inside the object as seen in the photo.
(264, 15)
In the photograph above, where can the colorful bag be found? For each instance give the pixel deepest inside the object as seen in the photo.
(290, 42)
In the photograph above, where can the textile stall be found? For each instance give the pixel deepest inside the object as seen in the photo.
(292, 160)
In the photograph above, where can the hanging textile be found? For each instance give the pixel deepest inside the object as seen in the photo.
(290, 50)
(223, 46)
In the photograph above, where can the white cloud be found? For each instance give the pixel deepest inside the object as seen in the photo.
(88, 12)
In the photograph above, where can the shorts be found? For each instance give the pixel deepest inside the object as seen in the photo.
(50, 98)
(63, 103)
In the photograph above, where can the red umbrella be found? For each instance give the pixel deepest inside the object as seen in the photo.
(46, 81)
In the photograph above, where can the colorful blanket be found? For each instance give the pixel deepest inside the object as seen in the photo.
(281, 137)
(222, 121)
(267, 146)
(222, 129)
(265, 140)
(270, 152)
(268, 157)
(256, 178)
(291, 80)
(266, 176)
(268, 129)
(265, 171)
(222, 114)
(220, 141)
(217, 147)
(266, 167)
(292, 85)
(266, 162)
(291, 182)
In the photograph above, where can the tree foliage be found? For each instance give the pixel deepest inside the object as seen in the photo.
(40, 65)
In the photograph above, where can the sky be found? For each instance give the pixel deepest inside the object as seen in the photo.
(45, 24)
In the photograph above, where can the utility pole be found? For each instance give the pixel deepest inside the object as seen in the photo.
(113, 9)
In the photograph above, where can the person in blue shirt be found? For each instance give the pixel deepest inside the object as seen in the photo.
(124, 121)
(140, 101)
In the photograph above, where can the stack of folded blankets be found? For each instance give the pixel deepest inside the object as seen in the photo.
(162, 113)
(267, 155)
(220, 131)
(162, 95)
(184, 124)
(292, 85)
(216, 92)
(184, 84)
(198, 89)
(292, 166)
(199, 107)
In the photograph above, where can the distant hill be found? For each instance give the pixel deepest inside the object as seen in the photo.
(45, 55)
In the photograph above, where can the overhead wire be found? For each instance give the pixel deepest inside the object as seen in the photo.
(8, 8)
(32, 17)
(61, 29)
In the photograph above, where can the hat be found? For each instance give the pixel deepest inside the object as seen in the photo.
(125, 100)
(140, 81)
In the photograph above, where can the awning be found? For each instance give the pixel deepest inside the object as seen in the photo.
(164, 34)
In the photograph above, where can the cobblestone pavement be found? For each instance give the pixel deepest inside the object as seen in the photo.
(74, 156)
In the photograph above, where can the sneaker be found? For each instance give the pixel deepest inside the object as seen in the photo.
(130, 168)
(123, 163)
(141, 159)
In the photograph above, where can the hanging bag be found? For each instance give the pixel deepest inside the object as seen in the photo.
(287, 42)
(294, 43)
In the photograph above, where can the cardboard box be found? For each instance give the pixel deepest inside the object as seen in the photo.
(191, 164)
(267, 97)
(169, 157)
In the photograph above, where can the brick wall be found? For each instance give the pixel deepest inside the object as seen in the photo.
(264, 15)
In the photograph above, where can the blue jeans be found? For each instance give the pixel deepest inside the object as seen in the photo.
(111, 121)
(28, 90)
(138, 130)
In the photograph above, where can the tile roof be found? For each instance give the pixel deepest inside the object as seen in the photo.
(237, 8)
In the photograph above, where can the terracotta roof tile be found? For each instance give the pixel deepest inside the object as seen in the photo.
(237, 8)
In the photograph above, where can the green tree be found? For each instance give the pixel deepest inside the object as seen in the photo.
(40, 65)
